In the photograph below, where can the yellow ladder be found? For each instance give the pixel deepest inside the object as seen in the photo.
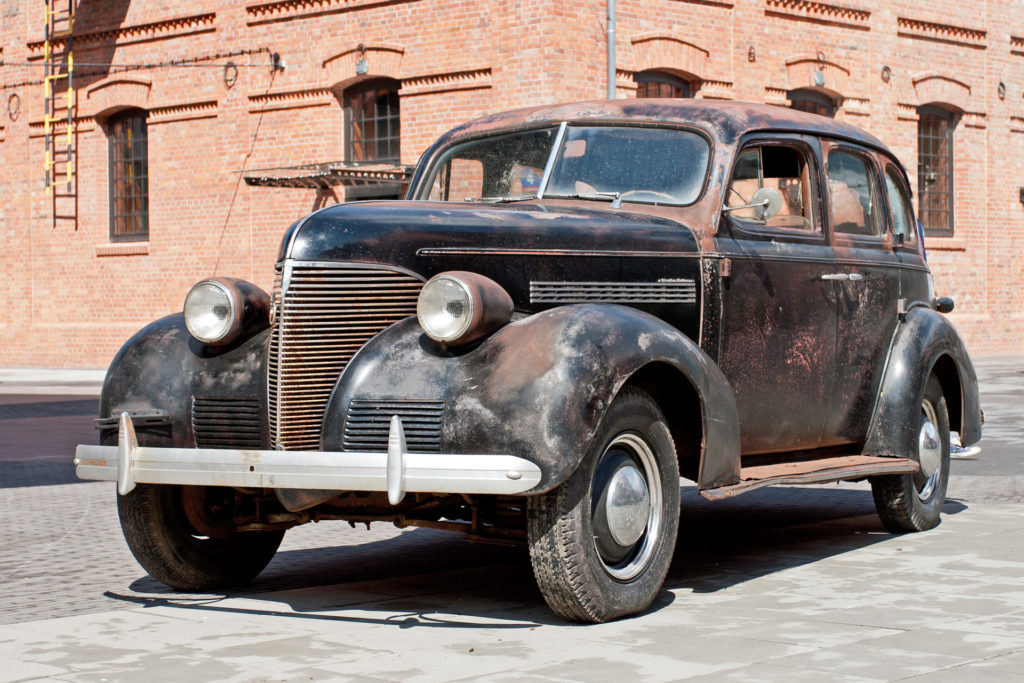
(59, 112)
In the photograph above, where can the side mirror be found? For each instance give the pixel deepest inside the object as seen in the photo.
(766, 203)
(898, 240)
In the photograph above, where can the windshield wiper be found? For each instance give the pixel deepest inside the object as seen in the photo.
(500, 200)
(616, 197)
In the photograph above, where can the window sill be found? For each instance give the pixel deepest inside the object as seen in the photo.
(945, 243)
(123, 249)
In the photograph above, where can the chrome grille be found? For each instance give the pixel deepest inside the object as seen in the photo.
(323, 314)
(369, 421)
(680, 291)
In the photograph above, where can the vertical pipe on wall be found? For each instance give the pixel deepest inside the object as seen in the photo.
(610, 35)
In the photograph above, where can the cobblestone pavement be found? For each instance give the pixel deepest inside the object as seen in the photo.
(62, 558)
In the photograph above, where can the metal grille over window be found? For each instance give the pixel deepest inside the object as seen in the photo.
(226, 422)
(323, 314)
(368, 422)
(371, 112)
(935, 170)
(660, 84)
(129, 176)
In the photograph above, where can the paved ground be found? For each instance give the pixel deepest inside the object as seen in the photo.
(787, 583)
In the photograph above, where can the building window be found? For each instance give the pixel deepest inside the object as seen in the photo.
(661, 84)
(128, 176)
(935, 170)
(812, 102)
(372, 121)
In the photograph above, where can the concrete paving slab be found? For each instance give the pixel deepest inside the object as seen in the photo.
(477, 622)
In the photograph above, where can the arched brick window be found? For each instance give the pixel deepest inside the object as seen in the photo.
(128, 172)
(661, 84)
(812, 102)
(372, 129)
(935, 169)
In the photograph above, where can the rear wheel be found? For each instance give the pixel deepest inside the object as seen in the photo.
(161, 525)
(601, 543)
(913, 502)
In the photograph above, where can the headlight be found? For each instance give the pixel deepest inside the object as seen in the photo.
(458, 307)
(220, 310)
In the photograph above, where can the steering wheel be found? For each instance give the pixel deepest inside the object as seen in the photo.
(650, 193)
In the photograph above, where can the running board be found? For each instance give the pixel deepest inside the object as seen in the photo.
(820, 471)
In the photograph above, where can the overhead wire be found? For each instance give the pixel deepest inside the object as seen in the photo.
(185, 62)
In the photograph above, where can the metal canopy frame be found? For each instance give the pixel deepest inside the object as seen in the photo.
(330, 174)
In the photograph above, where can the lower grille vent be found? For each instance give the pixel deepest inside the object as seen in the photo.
(368, 422)
(226, 422)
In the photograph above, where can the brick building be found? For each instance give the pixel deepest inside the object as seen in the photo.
(313, 101)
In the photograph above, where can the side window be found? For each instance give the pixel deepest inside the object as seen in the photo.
(853, 194)
(783, 168)
(899, 207)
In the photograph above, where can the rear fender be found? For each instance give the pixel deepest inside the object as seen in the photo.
(538, 387)
(925, 343)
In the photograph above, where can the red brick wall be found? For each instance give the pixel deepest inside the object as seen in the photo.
(71, 297)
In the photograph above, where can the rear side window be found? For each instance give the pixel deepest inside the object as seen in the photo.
(853, 194)
(899, 207)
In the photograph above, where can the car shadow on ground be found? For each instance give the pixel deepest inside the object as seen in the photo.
(434, 578)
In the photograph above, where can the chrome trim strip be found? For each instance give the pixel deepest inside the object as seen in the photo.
(497, 251)
(546, 176)
(130, 464)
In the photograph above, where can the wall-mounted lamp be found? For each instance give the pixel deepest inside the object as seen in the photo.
(362, 66)
(886, 74)
(751, 54)
(1001, 90)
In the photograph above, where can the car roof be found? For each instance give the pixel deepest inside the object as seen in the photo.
(725, 121)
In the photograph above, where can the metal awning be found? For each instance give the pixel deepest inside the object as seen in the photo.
(331, 174)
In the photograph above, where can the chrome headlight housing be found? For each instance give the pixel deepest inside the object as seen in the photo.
(220, 310)
(458, 307)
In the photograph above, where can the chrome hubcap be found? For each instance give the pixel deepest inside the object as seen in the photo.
(627, 505)
(929, 452)
(626, 500)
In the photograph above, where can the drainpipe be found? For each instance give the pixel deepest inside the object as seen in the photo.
(610, 36)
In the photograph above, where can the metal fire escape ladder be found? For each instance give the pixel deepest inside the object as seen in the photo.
(59, 111)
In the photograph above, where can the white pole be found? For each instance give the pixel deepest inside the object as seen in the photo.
(611, 49)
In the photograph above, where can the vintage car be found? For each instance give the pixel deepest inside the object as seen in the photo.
(575, 306)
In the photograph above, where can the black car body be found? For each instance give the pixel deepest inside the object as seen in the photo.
(640, 290)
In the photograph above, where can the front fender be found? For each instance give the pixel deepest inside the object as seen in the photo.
(925, 342)
(163, 368)
(538, 387)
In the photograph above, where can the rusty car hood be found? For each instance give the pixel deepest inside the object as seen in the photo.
(412, 234)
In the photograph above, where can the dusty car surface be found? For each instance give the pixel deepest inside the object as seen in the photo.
(576, 306)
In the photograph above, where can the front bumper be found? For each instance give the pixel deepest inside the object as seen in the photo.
(396, 471)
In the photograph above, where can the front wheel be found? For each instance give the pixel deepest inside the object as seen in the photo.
(156, 523)
(601, 543)
(913, 502)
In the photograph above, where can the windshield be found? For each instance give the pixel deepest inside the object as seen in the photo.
(631, 164)
(651, 165)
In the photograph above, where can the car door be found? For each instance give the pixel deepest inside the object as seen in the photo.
(867, 287)
(778, 320)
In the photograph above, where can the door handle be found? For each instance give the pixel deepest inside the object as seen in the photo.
(845, 277)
